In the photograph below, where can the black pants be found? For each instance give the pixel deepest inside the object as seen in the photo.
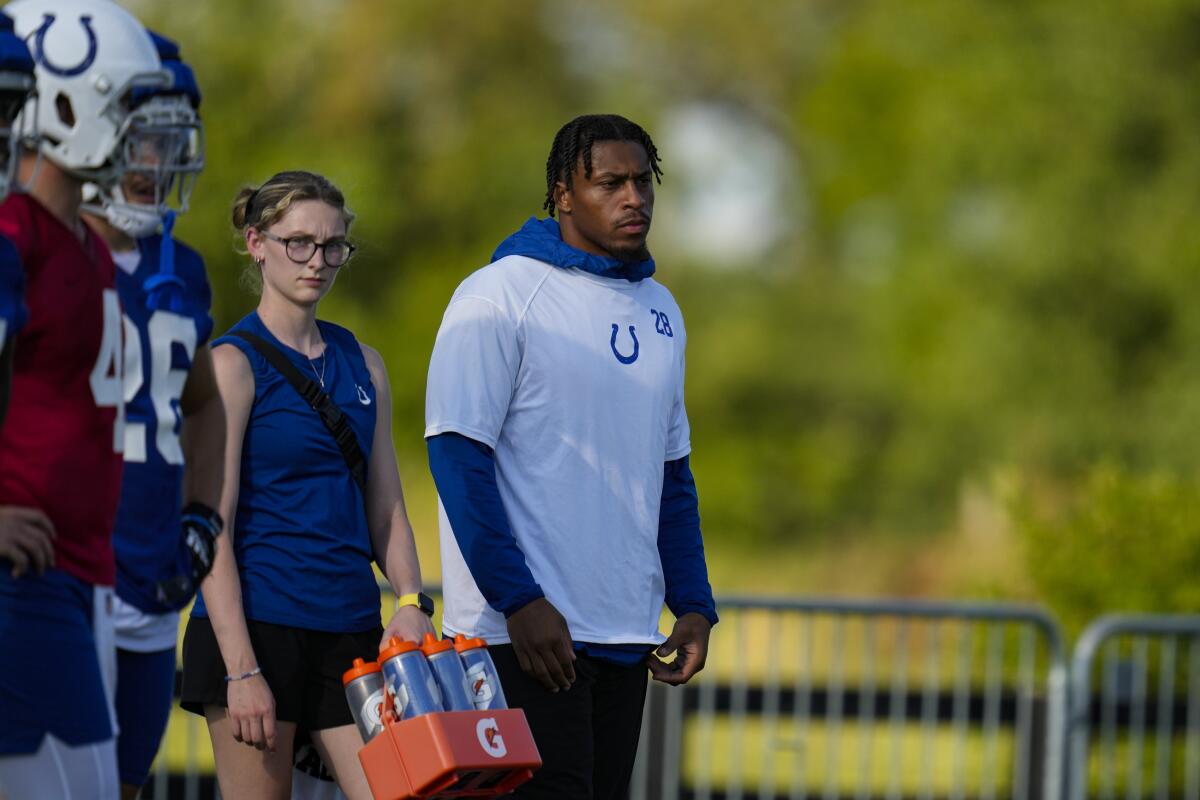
(588, 735)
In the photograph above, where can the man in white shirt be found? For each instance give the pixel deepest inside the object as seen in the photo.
(559, 442)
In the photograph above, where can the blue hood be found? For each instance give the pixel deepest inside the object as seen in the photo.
(540, 239)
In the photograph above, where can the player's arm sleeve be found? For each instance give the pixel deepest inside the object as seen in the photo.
(472, 376)
(12, 292)
(13, 312)
(464, 472)
(680, 545)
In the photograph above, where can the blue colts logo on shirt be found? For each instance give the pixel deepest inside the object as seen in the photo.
(613, 344)
(662, 326)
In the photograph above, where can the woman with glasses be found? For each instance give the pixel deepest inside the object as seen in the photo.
(292, 599)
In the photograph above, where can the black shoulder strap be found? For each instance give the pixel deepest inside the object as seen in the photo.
(316, 397)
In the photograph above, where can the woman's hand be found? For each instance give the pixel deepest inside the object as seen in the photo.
(409, 622)
(252, 710)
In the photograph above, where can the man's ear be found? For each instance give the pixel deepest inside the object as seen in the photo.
(562, 197)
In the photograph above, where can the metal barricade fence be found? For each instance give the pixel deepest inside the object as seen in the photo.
(839, 699)
(863, 699)
(1135, 709)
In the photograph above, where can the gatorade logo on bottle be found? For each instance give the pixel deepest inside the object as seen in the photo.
(400, 699)
(489, 737)
(481, 687)
(372, 709)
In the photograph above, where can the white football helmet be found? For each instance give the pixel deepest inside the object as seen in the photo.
(91, 56)
(163, 150)
(162, 154)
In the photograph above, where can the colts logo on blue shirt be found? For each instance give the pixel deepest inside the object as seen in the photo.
(362, 396)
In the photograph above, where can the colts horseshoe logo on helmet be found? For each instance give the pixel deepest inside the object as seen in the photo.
(39, 48)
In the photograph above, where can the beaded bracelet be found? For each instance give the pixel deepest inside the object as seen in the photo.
(244, 675)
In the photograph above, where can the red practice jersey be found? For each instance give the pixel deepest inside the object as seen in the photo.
(59, 445)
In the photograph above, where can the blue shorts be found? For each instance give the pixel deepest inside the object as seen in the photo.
(50, 675)
(145, 690)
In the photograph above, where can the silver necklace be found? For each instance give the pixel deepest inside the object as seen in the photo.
(321, 374)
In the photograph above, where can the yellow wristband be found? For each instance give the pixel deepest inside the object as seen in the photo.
(422, 601)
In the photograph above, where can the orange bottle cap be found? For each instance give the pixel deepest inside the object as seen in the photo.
(462, 643)
(432, 645)
(395, 647)
(359, 669)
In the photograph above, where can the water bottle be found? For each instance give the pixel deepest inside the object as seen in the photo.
(482, 679)
(364, 693)
(408, 679)
(449, 672)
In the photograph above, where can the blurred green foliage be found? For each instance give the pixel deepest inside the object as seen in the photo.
(992, 239)
(1127, 541)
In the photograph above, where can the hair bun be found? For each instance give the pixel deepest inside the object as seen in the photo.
(241, 206)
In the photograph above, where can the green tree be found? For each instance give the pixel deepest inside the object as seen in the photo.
(994, 256)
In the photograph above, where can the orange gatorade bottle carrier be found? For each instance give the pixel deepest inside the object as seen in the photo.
(440, 753)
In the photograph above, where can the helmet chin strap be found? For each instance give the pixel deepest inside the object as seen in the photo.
(165, 289)
(132, 220)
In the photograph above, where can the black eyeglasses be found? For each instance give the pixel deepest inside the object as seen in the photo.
(300, 249)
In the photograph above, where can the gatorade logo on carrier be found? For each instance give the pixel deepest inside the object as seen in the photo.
(489, 737)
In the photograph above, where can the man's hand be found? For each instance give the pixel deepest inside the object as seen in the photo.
(689, 638)
(542, 643)
(26, 539)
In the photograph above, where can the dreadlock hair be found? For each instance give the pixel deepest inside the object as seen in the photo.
(576, 139)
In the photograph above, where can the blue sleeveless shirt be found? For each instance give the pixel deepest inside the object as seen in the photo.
(300, 530)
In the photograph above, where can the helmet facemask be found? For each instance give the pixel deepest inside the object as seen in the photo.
(160, 153)
(16, 90)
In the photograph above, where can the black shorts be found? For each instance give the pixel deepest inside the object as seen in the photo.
(302, 667)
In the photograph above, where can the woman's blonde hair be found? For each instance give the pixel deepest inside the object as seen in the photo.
(261, 207)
